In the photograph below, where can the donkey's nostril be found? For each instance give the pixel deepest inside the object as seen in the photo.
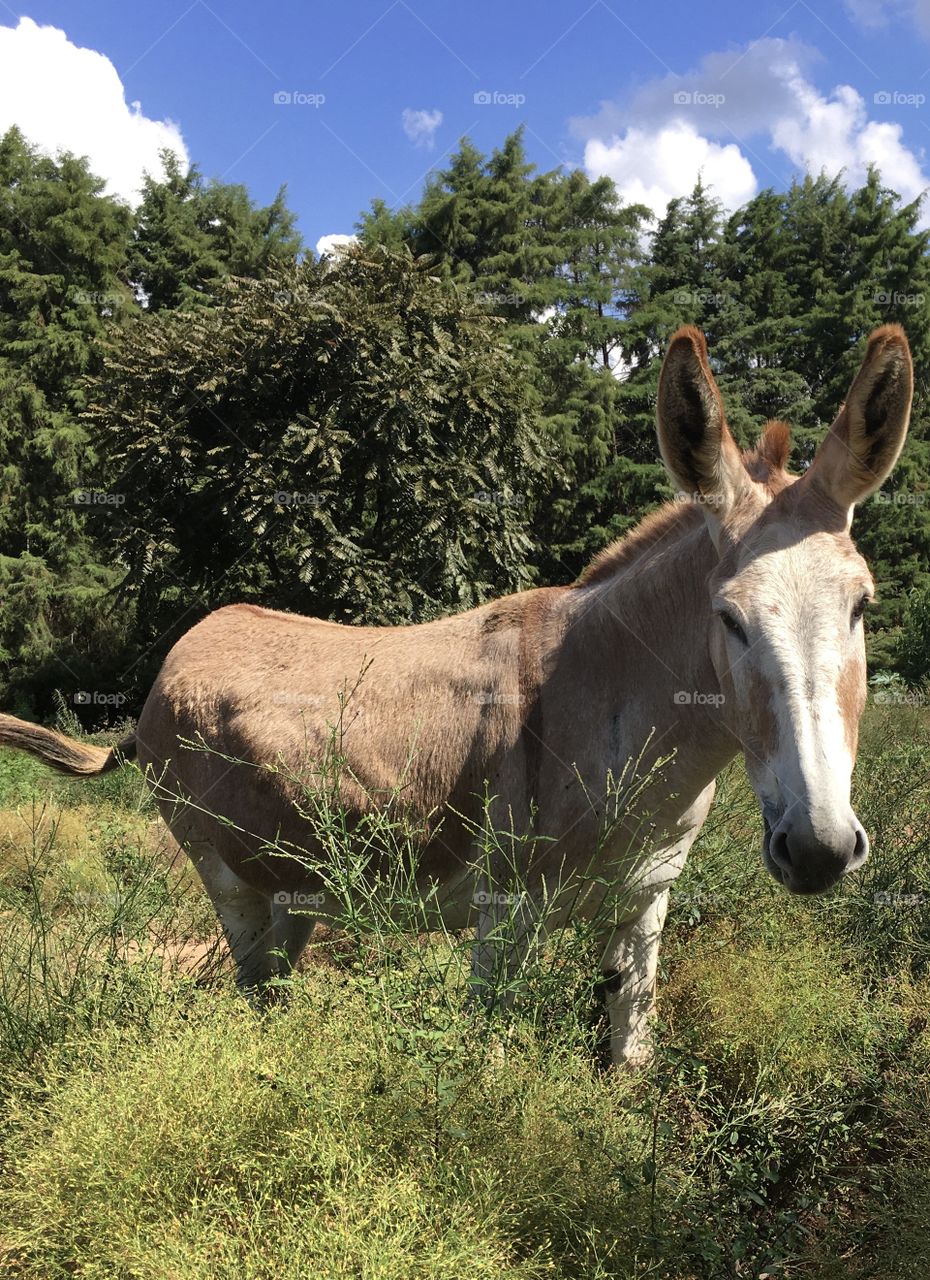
(779, 851)
(862, 846)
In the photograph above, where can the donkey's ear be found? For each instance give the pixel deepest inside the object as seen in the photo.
(863, 444)
(699, 453)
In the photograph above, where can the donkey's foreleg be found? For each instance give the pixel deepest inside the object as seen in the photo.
(292, 930)
(629, 967)
(510, 932)
(631, 957)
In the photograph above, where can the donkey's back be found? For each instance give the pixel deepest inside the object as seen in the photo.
(253, 706)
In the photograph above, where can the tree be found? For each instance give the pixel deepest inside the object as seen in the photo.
(551, 254)
(190, 235)
(349, 441)
(63, 251)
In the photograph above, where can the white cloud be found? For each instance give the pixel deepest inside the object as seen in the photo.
(835, 133)
(65, 98)
(877, 13)
(678, 126)
(420, 126)
(652, 166)
(331, 244)
(753, 83)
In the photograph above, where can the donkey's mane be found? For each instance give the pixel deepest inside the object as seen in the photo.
(633, 546)
(765, 464)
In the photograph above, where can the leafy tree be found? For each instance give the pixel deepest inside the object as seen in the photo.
(348, 441)
(807, 275)
(552, 254)
(913, 647)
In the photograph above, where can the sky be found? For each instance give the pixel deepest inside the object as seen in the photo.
(346, 102)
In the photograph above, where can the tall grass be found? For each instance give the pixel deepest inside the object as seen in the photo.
(378, 1124)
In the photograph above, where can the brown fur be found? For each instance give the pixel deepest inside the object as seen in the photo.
(76, 759)
(534, 700)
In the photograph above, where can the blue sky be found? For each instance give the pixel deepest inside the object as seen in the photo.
(380, 91)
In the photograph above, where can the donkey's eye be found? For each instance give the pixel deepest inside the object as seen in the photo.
(732, 626)
(860, 607)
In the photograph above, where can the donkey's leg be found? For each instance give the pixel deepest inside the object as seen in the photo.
(246, 916)
(510, 932)
(631, 957)
(629, 966)
(291, 933)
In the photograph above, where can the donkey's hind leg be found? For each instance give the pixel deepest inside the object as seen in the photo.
(246, 916)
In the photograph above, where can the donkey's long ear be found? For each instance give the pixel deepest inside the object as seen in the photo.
(863, 444)
(699, 453)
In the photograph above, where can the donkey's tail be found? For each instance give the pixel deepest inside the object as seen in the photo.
(67, 755)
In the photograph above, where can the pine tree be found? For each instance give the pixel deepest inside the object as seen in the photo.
(63, 248)
(190, 235)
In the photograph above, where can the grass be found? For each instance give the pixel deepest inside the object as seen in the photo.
(375, 1126)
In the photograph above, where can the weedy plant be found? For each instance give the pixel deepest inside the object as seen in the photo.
(378, 1122)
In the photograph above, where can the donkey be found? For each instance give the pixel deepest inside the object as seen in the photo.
(729, 620)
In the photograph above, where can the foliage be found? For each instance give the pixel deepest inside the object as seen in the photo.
(511, 466)
(349, 441)
(374, 1124)
(62, 274)
(191, 234)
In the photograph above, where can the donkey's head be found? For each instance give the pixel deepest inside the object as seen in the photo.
(788, 592)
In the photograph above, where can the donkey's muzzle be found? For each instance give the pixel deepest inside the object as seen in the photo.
(804, 863)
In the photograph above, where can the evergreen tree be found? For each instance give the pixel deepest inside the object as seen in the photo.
(63, 249)
(190, 235)
(552, 254)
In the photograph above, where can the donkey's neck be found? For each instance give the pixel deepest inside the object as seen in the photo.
(647, 626)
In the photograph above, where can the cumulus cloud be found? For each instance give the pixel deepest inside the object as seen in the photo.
(678, 126)
(753, 83)
(65, 98)
(651, 166)
(420, 126)
(332, 243)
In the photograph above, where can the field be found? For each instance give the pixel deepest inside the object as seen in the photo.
(369, 1126)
